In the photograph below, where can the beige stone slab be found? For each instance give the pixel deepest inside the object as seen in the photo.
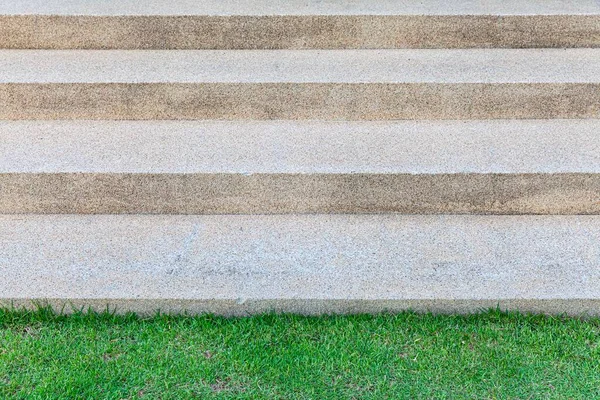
(298, 101)
(298, 31)
(205, 193)
(308, 264)
(326, 85)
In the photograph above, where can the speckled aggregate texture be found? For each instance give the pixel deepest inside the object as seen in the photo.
(252, 24)
(239, 265)
(299, 193)
(298, 32)
(500, 167)
(301, 85)
(308, 156)
(445, 66)
(299, 7)
(250, 147)
(298, 101)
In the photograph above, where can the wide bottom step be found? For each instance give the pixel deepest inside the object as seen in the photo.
(308, 264)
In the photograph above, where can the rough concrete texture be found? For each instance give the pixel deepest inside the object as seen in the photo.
(299, 7)
(248, 167)
(298, 31)
(311, 264)
(302, 147)
(550, 66)
(231, 193)
(343, 84)
(298, 101)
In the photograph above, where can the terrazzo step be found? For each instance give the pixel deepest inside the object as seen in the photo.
(297, 24)
(266, 167)
(308, 264)
(300, 85)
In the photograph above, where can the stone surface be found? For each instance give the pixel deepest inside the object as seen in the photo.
(247, 147)
(313, 257)
(299, 7)
(299, 32)
(350, 85)
(311, 264)
(297, 24)
(557, 66)
(298, 101)
(212, 167)
(105, 193)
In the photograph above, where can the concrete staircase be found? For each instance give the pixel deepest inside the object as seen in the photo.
(305, 156)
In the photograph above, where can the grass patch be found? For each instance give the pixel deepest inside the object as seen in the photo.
(412, 356)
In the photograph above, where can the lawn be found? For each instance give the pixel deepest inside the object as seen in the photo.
(404, 356)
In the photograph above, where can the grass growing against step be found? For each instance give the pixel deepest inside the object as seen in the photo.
(412, 356)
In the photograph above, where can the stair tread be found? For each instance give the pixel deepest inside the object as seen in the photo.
(301, 66)
(298, 7)
(298, 24)
(228, 263)
(307, 147)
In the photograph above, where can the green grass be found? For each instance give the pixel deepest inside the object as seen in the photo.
(405, 356)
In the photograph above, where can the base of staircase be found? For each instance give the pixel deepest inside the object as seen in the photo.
(305, 264)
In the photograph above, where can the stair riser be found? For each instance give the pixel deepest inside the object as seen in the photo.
(237, 308)
(298, 32)
(298, 101)
(102, 193)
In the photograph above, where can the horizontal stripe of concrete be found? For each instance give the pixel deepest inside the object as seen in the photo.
(300, 85)
(557, 66)
(312, 264)
(301, 147)
(298, 101)
(198, 193)
(298, 7)
(213, 167)
(298, 31)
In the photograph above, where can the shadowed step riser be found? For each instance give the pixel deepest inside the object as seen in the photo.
(243, 308)
(299, 193)
(298, 32)
(298, 101)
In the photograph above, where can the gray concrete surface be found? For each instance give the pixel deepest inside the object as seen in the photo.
(314, 257)
(557, 66)
(298, 7)
(298, 31)
(297, 24)
(212, 167)
(302, 147)
(312, 264)
(349, 85)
